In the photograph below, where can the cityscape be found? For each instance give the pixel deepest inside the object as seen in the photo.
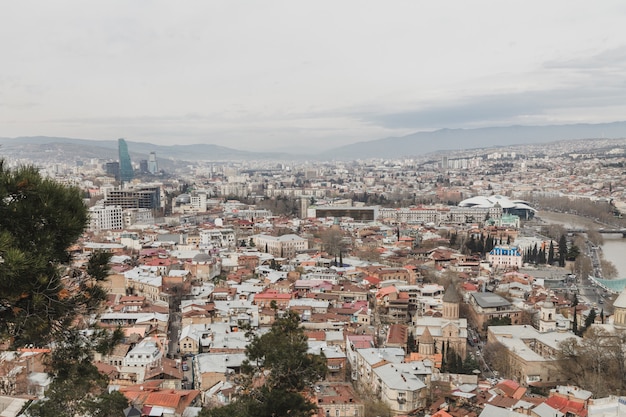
(312, 209)
(442, 284)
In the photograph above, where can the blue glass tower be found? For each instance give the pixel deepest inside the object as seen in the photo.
(126, 168)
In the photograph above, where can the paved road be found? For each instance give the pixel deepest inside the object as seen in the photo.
(173, 334)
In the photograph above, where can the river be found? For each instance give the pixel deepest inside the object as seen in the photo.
(614, 247)
(614, 250)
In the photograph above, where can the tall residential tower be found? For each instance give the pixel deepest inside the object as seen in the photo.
(153, 167)
(126, 167)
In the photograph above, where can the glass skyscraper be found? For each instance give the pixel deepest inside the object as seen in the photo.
(153, 167)
(126, 168)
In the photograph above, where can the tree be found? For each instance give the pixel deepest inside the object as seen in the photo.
(595, 363)
(497, 356)
(583, 266)
(591, 318)
(411, 343)
(575, 318)
(498, 321)
(453, 239)
(280, 359)
(573, 252)
(562, 250)
(39, 220)
(551, 253)
(444, 355)
(541, 257)
(469, 365)
(374, 406)
(332, 241)
(274, 265)
(77, 387)
(528, 317)
(608, 268)
(42, 297)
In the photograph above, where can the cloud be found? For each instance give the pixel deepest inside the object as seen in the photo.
(595, 83)
(281, 73)
(607, 60)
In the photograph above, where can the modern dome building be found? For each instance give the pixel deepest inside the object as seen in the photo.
(516, 207)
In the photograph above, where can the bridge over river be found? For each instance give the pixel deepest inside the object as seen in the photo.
(604, 230)
(614, 286)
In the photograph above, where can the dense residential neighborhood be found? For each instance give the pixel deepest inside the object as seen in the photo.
(429, 288)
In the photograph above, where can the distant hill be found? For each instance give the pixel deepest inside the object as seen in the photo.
(422, 143)
(68, 150)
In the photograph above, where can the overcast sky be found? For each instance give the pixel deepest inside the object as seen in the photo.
(305, 74)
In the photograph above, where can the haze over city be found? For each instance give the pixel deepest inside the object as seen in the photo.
(279, 75)
(312, 209)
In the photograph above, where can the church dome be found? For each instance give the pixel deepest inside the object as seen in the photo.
(451, 295)
(426, 337)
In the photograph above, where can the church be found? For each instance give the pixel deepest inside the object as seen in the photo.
(619, 311)
(432, 333)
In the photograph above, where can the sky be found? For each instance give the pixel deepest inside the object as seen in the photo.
(305, 75)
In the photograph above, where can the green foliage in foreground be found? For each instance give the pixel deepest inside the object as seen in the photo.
(39, 220)
(42, 298)
(277, 372)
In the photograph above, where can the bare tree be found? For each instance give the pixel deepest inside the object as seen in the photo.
(608, 269)
(497, 356)
(554, 231)
(595, 363)
(583, 266)
(332, 241)
(594, 237)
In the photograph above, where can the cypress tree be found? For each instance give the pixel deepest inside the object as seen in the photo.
(551, 253)
(591, 318)
(575, 323)
(444, 362)
(562, 250)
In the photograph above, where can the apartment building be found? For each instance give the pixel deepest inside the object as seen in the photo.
(105, 218)
(285, 246)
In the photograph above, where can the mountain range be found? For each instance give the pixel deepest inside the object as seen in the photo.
(43, 148)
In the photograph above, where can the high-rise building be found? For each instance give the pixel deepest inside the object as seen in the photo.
(153, 167)
(113, 168)
(126, 167)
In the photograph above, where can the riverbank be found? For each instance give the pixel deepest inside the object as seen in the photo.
(571, 221)
(613, 246)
